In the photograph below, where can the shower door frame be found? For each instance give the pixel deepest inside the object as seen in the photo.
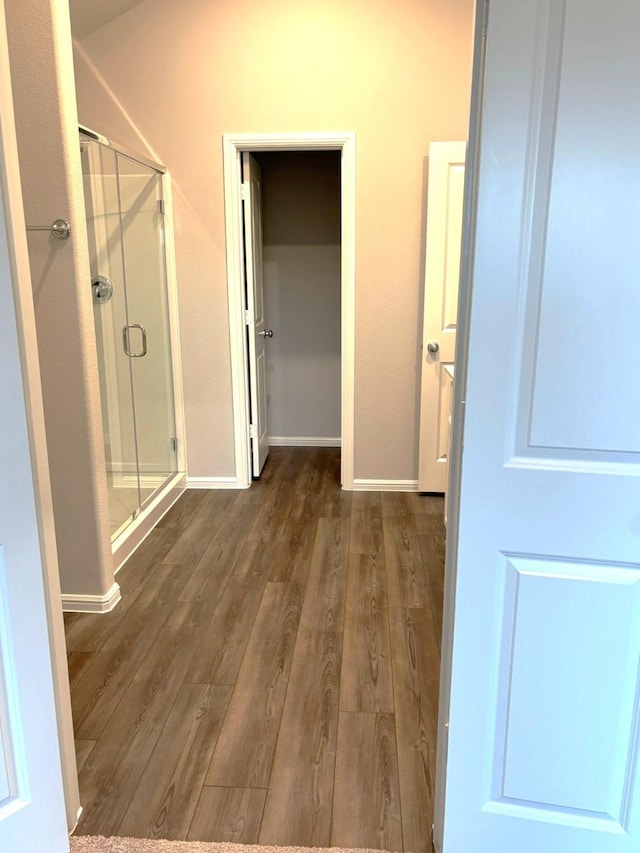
(156, 506)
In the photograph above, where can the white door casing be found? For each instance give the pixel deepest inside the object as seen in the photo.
(256, 328)
(543, 729)
(32, 806)
(233, 145)
(442, 273)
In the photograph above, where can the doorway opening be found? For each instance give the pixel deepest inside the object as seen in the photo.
(234, 146)
(292, 264)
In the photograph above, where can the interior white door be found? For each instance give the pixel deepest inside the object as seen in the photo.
(256, 328)
(32, 810)
(442, 272)
(545, 699)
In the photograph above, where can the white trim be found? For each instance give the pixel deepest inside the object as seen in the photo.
(215, 483)
(92, 603)
(137, 531)
(232, 146)
(385, 485)
(174, 321)
(302, 441)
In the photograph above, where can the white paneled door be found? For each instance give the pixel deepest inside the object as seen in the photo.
(544, 727)
(442, 273)
(32, 810)
(256, 328)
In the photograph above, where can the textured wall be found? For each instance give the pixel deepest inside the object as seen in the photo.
(301, 273)
(46, 125)
(168, 82)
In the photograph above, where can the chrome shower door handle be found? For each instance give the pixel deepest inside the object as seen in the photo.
(126, 344)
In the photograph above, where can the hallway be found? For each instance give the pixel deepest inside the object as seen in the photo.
(271, 674)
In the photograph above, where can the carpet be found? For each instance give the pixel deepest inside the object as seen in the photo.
(99, 844)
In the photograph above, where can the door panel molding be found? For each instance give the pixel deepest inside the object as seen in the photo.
(537, 742)
(233, 146)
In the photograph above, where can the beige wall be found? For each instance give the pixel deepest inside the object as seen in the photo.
(301, 277)
(46, 125)
(168, 80)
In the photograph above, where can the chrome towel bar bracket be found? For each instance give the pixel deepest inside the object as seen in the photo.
(60, 228)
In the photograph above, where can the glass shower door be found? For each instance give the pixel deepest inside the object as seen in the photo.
(125, 218)
(147, 337)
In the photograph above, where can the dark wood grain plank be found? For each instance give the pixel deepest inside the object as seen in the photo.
(84, 749)
(432, 550)
(292, 554)
(366, 526)
(323, 608)
(335, 501)
(366, 800)
(218, 655)
(78, 663)
(183, 510)
(271, 521)
(397, 503)
(228, 814)
(367, 683)
(219, 558)
(299, 803)
(98, 694)
(426, 504)
(427, 524)
(166, 798)
(196, 535)
(416, 667)
(406, 576)
(130, 735)
(309, 484)
(245, 748)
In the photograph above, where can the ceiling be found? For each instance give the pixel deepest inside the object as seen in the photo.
(89, 15)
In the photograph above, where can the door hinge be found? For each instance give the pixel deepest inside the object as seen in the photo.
(174, 444)
(161, 206)
(248, 320)
(244, 191)
(253, 431)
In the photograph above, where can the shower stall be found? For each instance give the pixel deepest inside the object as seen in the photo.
(134, 315)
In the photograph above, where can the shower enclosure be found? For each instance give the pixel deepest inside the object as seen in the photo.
(127, 250)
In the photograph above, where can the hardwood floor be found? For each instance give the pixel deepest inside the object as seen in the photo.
(271, 674)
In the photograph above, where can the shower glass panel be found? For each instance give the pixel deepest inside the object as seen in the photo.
(147, 337)
(125, 225)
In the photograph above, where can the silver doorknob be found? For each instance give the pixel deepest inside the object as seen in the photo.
(433, 346)
(267, 333)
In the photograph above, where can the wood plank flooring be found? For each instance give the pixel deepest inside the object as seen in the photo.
(271, 674)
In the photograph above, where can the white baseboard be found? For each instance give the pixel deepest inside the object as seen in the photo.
(134, 533)
(214, 483)
(302, 441)
(92, 603)
(385, 485)
(130, 481)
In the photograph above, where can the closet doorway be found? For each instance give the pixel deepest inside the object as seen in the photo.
(289, 214)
